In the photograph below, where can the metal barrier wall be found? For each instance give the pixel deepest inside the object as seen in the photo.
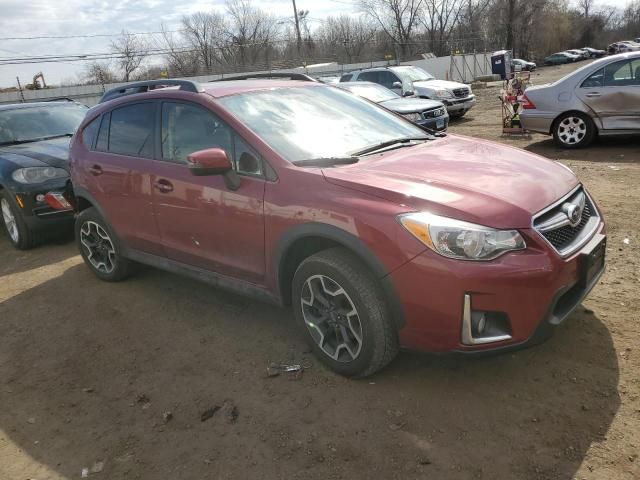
(462, 68)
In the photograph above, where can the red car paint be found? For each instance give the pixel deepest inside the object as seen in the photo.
(161, 209)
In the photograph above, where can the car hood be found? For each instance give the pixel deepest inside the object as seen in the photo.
(54, 153)
(407, 105)
(464, 178)
(438, 84)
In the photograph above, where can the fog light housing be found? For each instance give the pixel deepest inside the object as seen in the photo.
(480, 327)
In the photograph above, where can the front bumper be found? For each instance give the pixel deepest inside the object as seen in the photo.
(458, 105)
(535, 288)
(36, 213)
(439, 124)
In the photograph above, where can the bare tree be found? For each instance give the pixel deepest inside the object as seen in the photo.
(397, 18)
(354, 35)
(132, 51)
(98, 73)
(206, 33)
(586, 6)
(251, 30)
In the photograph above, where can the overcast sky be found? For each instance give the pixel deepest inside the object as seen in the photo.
(21, 18)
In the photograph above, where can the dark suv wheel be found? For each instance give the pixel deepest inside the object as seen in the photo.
(15, 227)
(99, 247)
(342, 310)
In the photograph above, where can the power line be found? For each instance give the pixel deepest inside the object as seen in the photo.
(94, 35)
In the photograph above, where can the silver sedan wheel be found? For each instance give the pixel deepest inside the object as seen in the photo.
(10, 221)
(98, 247)
(331, 318)
(572, 130)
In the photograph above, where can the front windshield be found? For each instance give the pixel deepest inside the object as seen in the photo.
(373, 92)
(415, 74)
(26, 124)
(303, 123)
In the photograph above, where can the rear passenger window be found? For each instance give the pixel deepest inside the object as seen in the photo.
(594, 80)
(618, 74)
(369, 77)
(89, 133)
(103, 135)
(131, 130)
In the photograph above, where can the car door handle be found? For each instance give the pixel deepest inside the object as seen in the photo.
(593, 94)
(163, 186)
(95, 170)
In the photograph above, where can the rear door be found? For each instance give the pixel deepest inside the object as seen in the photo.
(118, 174)
(202, 222)
(613, 93)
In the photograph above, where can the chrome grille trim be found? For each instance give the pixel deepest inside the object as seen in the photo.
(461, 92)
(560, 235)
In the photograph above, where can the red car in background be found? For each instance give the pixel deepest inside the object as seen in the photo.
(379, 234)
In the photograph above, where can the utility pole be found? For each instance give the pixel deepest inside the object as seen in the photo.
(295, 16)
(20, 88)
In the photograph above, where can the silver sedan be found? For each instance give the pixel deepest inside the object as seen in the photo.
(601, 98)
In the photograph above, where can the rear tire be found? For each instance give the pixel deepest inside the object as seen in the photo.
(14, 226)
(100, 248)
(341, 308)
(573, 130)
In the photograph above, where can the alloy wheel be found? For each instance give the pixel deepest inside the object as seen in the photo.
(331, 318)
(572, 130)
(98, 246)
(10, 221)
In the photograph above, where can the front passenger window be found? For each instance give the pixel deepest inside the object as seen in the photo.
(188, 128)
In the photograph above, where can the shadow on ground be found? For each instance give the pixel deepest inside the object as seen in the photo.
(605, 149)
(88, 375)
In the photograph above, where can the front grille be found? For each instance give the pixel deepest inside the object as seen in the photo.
(461, 92)
(436, 112)
(554, 226)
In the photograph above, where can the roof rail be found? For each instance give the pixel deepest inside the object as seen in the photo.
(291, 76)
(145, 86)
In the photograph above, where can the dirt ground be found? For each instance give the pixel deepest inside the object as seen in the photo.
(90, 373)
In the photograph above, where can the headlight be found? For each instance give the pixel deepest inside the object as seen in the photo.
(414, 117)
(33, 175)
(462, 240)
(444, 94)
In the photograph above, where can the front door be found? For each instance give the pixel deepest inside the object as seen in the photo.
(202, 222)
(613, 93)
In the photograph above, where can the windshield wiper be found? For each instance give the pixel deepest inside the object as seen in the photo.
(400, 142)
(326, 161)
(39, 139)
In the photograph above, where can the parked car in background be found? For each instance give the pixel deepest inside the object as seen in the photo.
(581, 54)
(410, 80)
(426, 113)
(624, 46)
(560, 58)
(519, 64)
(378, 234)
(601, 98)
(34, 145)
(594, 52)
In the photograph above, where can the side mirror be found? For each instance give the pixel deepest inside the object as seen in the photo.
(396, 85)
(212, 161)
(408, 93)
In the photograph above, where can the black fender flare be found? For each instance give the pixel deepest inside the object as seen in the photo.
(350, 242)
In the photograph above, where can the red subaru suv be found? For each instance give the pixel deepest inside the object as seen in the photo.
(379, 234)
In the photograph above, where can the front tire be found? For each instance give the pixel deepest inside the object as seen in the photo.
(16, 229)
(573, 130)
(342, 310)
(99, 247)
